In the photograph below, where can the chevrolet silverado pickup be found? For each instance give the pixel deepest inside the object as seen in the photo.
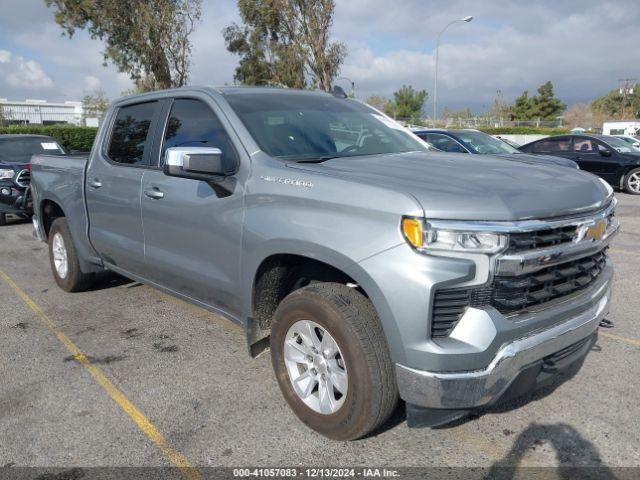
(370, 266)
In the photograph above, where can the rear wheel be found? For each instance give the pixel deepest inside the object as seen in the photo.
(332, 362)
(64, 259)
(632, 182)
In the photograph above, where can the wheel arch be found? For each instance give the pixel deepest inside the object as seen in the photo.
(279, 273)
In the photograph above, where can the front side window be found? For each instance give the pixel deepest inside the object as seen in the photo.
(557, 145)
(130, 133)
(193, 124)
(300, 126)
(584, 145)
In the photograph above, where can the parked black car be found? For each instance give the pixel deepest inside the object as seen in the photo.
(611, 158)
(15, 154)
(476, 142)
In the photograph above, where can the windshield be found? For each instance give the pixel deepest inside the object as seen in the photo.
(483, 143)
(19, 150)
(620, 145)
(301, 126)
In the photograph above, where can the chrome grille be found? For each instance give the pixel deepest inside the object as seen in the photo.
(512, 294)
(541, 238)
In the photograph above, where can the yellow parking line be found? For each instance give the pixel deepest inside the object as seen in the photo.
(630, 341)
(114, 392)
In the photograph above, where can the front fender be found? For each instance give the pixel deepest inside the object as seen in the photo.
(335, 259)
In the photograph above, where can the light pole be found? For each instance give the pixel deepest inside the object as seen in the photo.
(466, 19)
(353, 85)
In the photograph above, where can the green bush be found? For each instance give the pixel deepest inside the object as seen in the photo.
(70, 137)
(523, 131)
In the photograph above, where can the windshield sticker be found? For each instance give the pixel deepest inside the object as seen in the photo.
(49, 146)
(387, 121)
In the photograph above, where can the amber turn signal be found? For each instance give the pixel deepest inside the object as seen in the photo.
(412, 230)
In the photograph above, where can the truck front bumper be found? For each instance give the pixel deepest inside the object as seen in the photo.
(15, 201)
(470, 389)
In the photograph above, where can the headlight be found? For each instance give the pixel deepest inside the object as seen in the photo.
(427, 237)
(6, 173)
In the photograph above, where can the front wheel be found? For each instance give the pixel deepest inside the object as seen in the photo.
(332, 362)
(632, 182)
(3, 219)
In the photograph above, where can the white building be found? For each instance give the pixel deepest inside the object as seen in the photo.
(41, 112)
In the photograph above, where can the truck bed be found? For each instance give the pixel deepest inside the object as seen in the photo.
(60, 179)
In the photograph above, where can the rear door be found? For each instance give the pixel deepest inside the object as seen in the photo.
(192, 228)
(556, 146)
(114, 182)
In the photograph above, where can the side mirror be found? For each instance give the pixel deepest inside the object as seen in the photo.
(605, 153)
(199, 163)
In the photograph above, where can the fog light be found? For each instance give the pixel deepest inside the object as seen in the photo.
(5, 191)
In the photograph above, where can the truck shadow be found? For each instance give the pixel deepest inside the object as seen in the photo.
(576, 456)
(107, 280)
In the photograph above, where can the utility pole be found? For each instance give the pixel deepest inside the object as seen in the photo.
(466, 19)
(625, 89)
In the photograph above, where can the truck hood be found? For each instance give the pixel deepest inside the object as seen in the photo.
(474, 187)
(545, 159)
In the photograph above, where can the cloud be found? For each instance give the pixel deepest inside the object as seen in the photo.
(92, 83)
(15, 71)
(582, 46)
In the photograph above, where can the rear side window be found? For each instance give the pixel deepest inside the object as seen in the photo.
(444, 143)
(552, 145)
(193, 124)
(131, 132)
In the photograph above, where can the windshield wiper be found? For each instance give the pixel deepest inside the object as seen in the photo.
(321, 159)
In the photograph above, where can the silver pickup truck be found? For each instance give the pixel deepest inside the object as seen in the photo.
(372, 268)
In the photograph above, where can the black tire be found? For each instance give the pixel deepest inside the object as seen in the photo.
(351, 320)
(74, 280)
(630, 182)
(3, 219)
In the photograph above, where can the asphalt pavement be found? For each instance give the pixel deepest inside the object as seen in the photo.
(124, 375)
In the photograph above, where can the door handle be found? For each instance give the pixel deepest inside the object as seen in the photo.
(95, 183)
(154, 193)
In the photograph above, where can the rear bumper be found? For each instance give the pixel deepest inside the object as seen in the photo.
(470, 389)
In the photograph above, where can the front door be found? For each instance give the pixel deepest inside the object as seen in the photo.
(192, 228)
(114, 182)
(586, 153)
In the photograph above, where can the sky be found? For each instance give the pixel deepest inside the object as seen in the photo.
(583, 46)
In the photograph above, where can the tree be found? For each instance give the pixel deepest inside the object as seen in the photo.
(523, 108)
(377, 101)
(267, 55)
(407, 103)
(285, 42)
(612, 103)
(148, 40)
(95, 104)
(585, 116)
(543, 106)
